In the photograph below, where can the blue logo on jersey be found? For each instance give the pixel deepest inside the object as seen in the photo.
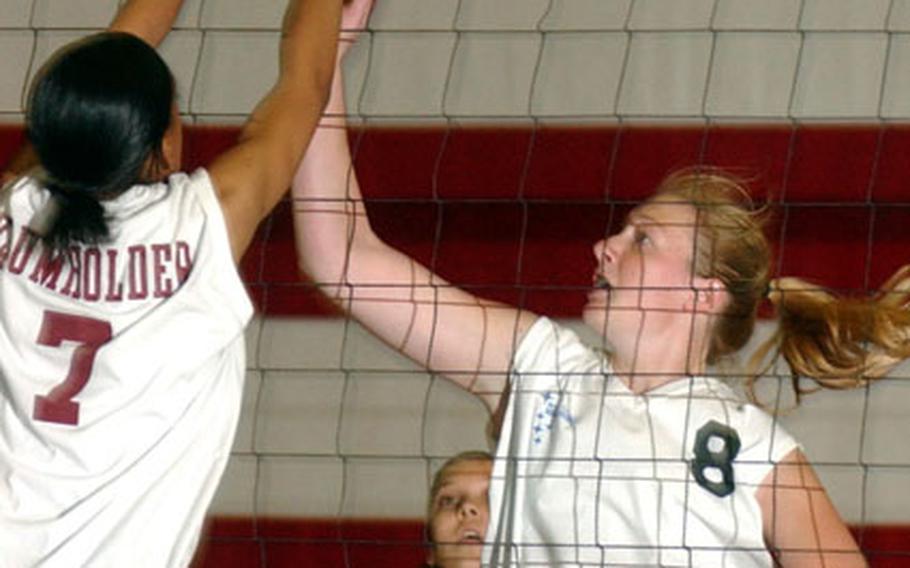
(545, 416)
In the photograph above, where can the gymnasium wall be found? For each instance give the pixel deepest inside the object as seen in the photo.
(496, 141)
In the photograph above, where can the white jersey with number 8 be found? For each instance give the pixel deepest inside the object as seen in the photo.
(589, 473)
(121, 373)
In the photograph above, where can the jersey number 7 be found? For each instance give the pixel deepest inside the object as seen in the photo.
(58, 405)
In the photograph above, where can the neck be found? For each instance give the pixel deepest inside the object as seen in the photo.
(660, 354)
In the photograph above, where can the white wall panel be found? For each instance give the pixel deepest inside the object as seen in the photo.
(235, 71)
(886, 497)
(665, 74)
(300, 487)
(895, 102)
(579, 74)
(899, 16)
(15, 13)
(886, 431)
(752, 15)
(844, 14)
(676, 15)
(385, 488)
(752, 74)
(362, 352)
(492, 74)
(819, 416)
(299, 412)
(74, 13)
(419, 15)
(180, 51)
(393, 87)
(249, 411)
(285, 344)
(505, 15)
(456, 421)
(242, 14)
(844, 485)
(605, 15)
(383, 414)
(236, 494)
(840, 75)
(17, 48)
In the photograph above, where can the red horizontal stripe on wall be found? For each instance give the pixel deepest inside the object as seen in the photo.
(306, 543)
(512, 213)
(377, 543)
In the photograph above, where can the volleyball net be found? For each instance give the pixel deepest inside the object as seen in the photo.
(495, 142)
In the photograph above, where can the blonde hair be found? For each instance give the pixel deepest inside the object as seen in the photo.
(836, 342)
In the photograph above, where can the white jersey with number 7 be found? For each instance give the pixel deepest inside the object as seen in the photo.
(121, 373)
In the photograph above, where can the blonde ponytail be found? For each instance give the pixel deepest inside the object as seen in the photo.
(839, 343)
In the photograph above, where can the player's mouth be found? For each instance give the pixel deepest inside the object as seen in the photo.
(600, 282)
(470, 536)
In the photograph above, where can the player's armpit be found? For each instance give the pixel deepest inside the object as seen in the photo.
(801, 525)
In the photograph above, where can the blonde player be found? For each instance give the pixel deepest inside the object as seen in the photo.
(121, 328)
(635, 457)
(458, 511)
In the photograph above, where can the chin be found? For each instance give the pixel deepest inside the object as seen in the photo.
(460, 556)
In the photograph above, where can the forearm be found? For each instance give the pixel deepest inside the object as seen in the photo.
(393, 295)
(309, 39)
(151, 20)
(328, 205)
(287, 117)
(254, 175)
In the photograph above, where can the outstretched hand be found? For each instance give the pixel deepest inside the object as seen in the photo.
(354, 18)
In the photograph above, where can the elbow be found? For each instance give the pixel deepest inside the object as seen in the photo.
(323, 269)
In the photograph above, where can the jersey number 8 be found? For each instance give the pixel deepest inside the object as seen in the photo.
(715, 449)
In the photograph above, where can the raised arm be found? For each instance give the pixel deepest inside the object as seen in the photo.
(151, 20)
(415, 311)
(253, 176)
(801, 525)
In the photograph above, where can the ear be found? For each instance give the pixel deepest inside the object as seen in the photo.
(168, 149)
(711, 296)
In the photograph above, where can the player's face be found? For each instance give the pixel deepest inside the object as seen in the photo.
(645, 270)
(460, 515)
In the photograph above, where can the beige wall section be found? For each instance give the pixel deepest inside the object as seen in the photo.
(576, 59)
(336, 423)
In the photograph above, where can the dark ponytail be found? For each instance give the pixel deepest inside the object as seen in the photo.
(97, 115)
